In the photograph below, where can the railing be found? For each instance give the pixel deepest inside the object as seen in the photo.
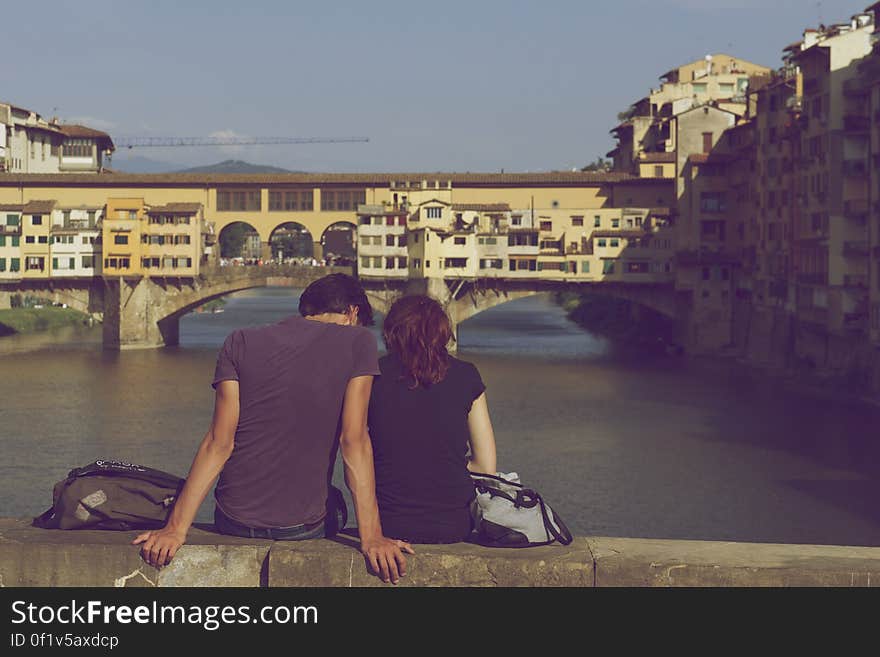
(10, 230)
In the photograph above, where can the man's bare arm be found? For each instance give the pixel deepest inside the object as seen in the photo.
(384, 555)
(160, 546)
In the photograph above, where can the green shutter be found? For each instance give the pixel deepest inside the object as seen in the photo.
(54, 263)
(15, 240)
(2, 240)
(15, 264)
(586, 267)
(2, 264)
(72, 263)
(12, 220)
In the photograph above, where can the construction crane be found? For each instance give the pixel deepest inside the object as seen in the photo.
(162, 142)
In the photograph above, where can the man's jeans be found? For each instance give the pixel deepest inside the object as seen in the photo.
(327, 527)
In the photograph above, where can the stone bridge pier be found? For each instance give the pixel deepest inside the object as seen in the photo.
(144, 313)
(461, 298)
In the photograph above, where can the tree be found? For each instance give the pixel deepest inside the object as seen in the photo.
(600, 165)
(232, 239)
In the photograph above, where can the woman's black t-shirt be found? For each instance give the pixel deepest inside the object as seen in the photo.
(420, 443)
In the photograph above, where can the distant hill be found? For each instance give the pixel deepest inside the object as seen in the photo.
(138, 164)
(236, 166)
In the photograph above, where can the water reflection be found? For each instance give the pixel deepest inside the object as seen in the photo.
(622, 443)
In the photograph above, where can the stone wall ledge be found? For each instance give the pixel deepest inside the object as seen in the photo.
(38, 557)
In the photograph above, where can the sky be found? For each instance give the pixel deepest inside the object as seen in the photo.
(477, 85)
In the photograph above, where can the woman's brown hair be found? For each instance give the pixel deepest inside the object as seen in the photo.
(417, 329)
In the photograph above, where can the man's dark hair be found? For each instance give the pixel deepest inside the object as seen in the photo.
(336, 293)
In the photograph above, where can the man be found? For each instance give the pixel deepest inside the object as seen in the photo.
(287, 395)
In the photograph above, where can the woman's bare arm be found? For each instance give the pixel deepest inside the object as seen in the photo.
(482, 440)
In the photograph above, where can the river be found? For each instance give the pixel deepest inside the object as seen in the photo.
(620, 443)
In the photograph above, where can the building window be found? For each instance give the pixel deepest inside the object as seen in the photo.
(547, 225)
(712, 202)
(615, 223)
(707, 142)
(14, 264)
(597, 221)
(120, 239)
(132, 215)
(365, 262)
(401, 263)
(12, 219)
(455, 263)
(516, 220)
(401, 240)
(77, 148)
(37, 220)
(88, 262)
(238, 200)
(301, 200)
(43, 239)
(433, 213)
(29, 239)
(615, 241)
(2, 264)
(607, 266)
(15, 240)
(601, 242)
(585, 267)
(658, 170)
(342, 199)
(461, 241)
(577, 221)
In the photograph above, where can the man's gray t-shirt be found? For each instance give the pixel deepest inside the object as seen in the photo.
(292, 378)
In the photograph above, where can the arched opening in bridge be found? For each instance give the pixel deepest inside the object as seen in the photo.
(239, 243)
(623, 321)
(339, 243)
(291, 243)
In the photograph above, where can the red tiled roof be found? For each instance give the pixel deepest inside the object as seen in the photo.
(76, 131)
(175, 208)
(658, 157)
(481, 207)
(564, 178)
(11, 207)
(38, 207)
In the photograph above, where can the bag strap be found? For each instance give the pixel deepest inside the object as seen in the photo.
(44, 520)
(561, 534)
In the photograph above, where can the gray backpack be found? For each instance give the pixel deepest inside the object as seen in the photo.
(507, 514)
(111, 495)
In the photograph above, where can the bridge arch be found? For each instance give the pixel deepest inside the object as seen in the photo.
(291, 241)
(239, 239)
(339, 243)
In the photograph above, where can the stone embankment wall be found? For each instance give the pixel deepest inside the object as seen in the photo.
(37, 557)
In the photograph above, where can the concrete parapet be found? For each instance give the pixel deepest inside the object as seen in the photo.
(38, 557)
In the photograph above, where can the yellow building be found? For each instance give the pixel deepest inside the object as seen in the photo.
(123, 227)
(36, 225)
(10, 241)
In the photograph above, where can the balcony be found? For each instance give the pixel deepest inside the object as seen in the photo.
(856, 168)
(856, 123)
(859, 281)
(10, 230)
(855, 248)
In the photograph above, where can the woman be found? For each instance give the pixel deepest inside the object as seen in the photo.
(427, 410)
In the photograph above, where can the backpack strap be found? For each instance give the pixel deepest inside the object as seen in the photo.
(44, 520)
(562, 534)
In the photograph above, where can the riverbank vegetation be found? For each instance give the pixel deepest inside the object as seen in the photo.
(31, 320)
